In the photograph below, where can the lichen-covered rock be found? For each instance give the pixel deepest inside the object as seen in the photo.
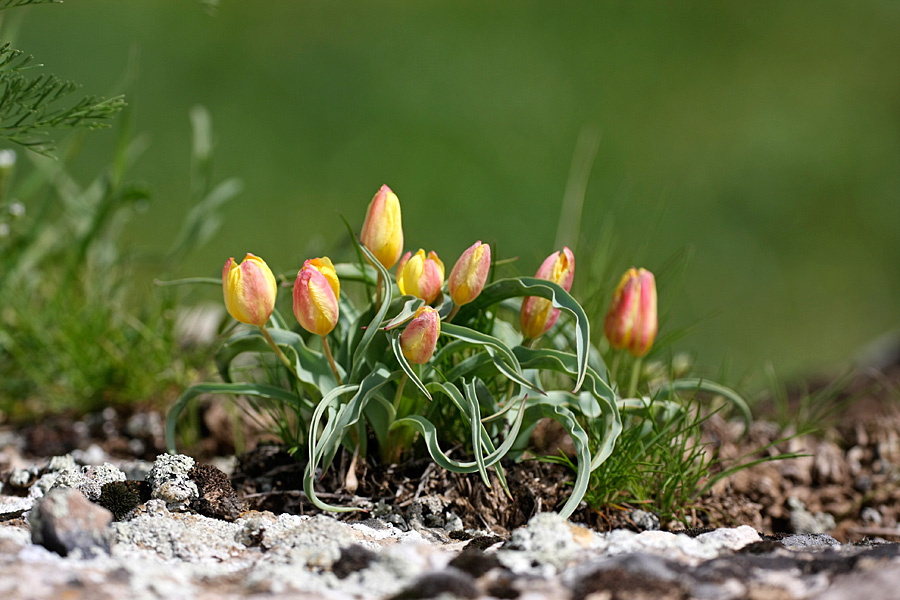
(548, 539)
(89, 480)
(170, 481)
(61, 463)
(65, 521)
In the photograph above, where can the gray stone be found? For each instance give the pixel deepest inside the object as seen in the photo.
(20, 478)
(547, 538)
(89, 480)
(643, 520)
(62, 463)
(170, 481)
(803, 521)
(809, 540)
(64, 521)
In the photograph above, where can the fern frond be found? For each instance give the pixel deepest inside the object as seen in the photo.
(14, 3)
(29, 104)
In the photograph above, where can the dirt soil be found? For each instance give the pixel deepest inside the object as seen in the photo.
(848, 484)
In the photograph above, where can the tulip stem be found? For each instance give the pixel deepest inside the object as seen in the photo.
(399, 393)
(378, 290)
(452, 313)
(278, 352)
(328, 355)
(614, 367)
(635, 374)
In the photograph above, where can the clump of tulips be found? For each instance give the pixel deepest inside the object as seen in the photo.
(428, 360)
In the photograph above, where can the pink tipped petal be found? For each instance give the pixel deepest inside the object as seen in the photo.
(538, 315)
(421, 276)
(249, 289)
(418, 340)
(315, 301)
(470, 273)
(382, 231)
(631, 322)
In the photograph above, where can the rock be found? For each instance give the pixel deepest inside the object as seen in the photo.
(170, 481)
(62, 463)
(802, 521)
(548, 538)
(475, 562)
(216, 497)
(65, 521)
(89, 480)
(809, 540)
(353, 558)
(644, 520)
(20, 478)
(451, 582)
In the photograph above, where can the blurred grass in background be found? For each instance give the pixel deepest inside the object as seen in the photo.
(766, 138)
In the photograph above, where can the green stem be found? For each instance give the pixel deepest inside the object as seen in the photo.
(327, 348)
(277, 350)
(452, 314)
(399, 393)
(614, 368)
(635, 374)
(378, 289)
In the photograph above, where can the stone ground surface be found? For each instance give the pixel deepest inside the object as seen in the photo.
(55, 543)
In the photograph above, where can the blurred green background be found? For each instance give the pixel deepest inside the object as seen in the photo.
(764, 136)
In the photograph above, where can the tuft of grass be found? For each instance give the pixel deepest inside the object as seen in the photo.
(79, 330)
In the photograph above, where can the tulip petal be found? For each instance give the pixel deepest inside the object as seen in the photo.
(249, 290)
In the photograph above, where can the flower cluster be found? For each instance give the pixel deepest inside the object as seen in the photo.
(484, 367)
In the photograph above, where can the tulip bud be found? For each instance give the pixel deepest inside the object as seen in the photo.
(538, 314)
(470, 273)
(316, 293)
(420, 337)
(249, 289)
(382, 231)
(420, 276)
(631, 322)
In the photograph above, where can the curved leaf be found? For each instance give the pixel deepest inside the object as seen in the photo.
(375, 323)
(429, 435)
(243, 389)
(346, 416)
(531, 286)
(507, 364)
(553, 406)
(404, 364)
(599, 403)
(703, 385)
(311, 367)
(476, 427)
(406, 313)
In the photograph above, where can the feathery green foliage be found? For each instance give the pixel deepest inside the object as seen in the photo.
(34, 104)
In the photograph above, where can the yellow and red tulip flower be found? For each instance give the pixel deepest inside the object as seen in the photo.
(249, 288)
(538, 314)
(316, 294)
(420, 276)
(632, 322)
(470, 273)
(418, 340)
(382, 231)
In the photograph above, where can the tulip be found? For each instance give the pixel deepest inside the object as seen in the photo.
(420, 337)
(382, 231)
(538, 314)
(316, 293)
(631, 322)
(249, 289)
(470, 273)
(420, 276)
